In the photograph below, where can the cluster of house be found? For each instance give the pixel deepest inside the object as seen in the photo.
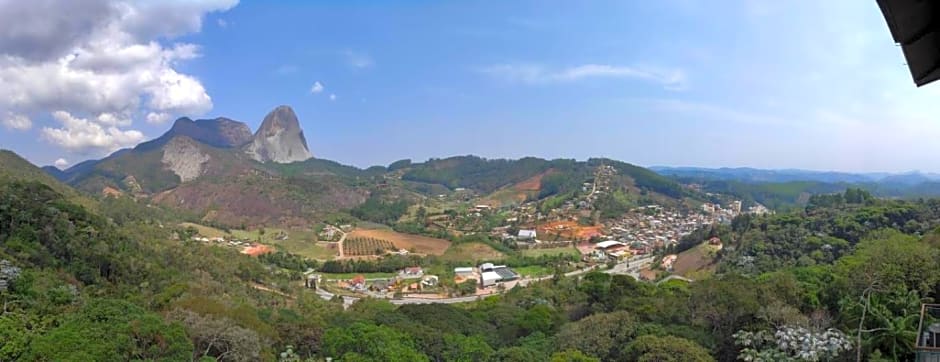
(332, 233)
(487, 274)
(652, 227)
(411, 279)
(235, 243)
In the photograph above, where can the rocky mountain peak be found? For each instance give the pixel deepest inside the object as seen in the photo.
(279, 139)
(218, 132)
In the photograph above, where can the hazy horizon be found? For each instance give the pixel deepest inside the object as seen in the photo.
(756, 84)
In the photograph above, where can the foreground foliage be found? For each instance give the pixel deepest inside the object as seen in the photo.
(838, 280)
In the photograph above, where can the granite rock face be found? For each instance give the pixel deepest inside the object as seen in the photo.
(279, 139)
(183, 156)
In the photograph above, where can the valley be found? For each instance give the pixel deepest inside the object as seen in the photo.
(194, 217)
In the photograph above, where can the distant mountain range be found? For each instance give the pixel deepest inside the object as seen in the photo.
(792, 188)
(218, 171)
(747, 174)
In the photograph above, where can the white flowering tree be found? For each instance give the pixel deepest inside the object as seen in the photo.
(790, 343)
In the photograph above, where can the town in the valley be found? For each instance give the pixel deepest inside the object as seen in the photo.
(641, 243)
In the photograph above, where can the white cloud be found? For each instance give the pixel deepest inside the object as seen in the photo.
(83, 136)
(358, 59)
(332, 97)
(158, 118)
(61, 163)
(17, 122)
(108, 61)
(316, 88)
(672, 79)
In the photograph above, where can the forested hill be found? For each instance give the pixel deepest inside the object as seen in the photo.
(488, 175)
(15, 168)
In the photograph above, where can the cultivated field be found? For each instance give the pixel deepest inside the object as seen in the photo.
(359, 246)
(416, 243)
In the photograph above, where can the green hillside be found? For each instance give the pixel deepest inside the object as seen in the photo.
(15, 168)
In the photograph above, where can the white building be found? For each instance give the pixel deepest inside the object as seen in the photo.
(463, 271)
(489, 278)
(526, 235)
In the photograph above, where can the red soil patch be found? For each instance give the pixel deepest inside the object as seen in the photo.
(420, 244)
(111, 192)
(533, 183)
(567, 230)
(257, 249)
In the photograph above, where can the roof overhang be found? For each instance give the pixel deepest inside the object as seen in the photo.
(915, 24)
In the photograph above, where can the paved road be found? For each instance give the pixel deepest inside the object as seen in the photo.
(631, 267)
(340, 244)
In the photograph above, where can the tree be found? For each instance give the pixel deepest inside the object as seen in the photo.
(468, 287)
(362, 341)
(651, 348)
(539, 318)
(600, 335)
(724, 305)
(107, 329)
(460, 348)
(885, 279)
(518, 354)
(219, 337)
(789, 343)
(572, 356)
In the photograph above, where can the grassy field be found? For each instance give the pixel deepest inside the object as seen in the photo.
(209, 232)
(368, 225)
(307, 249)
(551, 251)
(337, 276)
(534, 271)
(300, 242)
(698, 261)
(471, 252)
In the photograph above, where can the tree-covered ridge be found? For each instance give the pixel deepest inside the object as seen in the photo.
(828, 228)
(483, 175)
(487, 175)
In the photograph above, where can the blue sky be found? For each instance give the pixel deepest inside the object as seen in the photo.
(770, 84)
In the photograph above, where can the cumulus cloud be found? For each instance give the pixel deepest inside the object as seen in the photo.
(61, 163)
(158, 117)
(672, 79)
(84, 136)
(17, 122)
(106, 61)
(316, 88)
(332, 97)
